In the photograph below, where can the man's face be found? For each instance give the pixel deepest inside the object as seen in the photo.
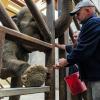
(75, 35)
(82, 14)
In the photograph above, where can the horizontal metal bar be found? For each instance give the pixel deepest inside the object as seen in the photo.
(5, 92)
(25, 39)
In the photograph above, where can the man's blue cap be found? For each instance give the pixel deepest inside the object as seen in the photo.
(81, 4)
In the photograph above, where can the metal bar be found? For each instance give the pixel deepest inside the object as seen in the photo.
(50, 56)
(25, 39)
(2, 39)
(62, 72)
(97, 10)
(5, 19)
(71, 35)
(39, 20)
(23, 91)
(8, 81)
(76, 23)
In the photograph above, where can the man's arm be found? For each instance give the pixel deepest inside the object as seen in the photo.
(87, 43)
(60, 46)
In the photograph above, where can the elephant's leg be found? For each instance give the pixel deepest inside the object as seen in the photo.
(13, 67)
(15, 82)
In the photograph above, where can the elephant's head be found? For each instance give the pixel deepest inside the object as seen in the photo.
(28, 23)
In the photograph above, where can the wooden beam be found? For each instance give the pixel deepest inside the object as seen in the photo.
(23, 91)
(25, 39)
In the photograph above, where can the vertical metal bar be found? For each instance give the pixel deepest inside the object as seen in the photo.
(62, 72)
(2, 40)
(50, 55)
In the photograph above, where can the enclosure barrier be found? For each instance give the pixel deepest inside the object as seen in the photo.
(20, 37)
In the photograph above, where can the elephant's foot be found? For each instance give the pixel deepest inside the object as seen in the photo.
(34, 76)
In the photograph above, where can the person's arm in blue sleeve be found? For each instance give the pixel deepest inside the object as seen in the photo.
(87, 43)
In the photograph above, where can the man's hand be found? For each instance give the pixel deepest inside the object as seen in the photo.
(61, 63)
(60, 46)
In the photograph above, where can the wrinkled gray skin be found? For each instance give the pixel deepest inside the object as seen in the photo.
(27, 25)
(15, 55)
(15, 60)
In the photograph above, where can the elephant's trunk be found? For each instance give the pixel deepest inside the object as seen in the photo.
(63, 22)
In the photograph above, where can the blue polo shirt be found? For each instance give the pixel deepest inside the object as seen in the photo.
(87, 51)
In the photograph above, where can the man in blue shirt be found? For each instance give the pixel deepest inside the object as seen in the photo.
(87, 52)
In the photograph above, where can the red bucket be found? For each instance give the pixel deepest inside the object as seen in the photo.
(76, 86)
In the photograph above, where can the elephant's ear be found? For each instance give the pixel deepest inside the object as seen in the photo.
(63, 22)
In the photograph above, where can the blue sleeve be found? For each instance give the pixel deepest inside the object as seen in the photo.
(69, 48)
(88, 41)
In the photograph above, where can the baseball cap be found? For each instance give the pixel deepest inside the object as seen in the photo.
(83, 3)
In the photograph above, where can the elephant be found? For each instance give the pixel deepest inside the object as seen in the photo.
(15, 61)
(25, 21)
(15, 54)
